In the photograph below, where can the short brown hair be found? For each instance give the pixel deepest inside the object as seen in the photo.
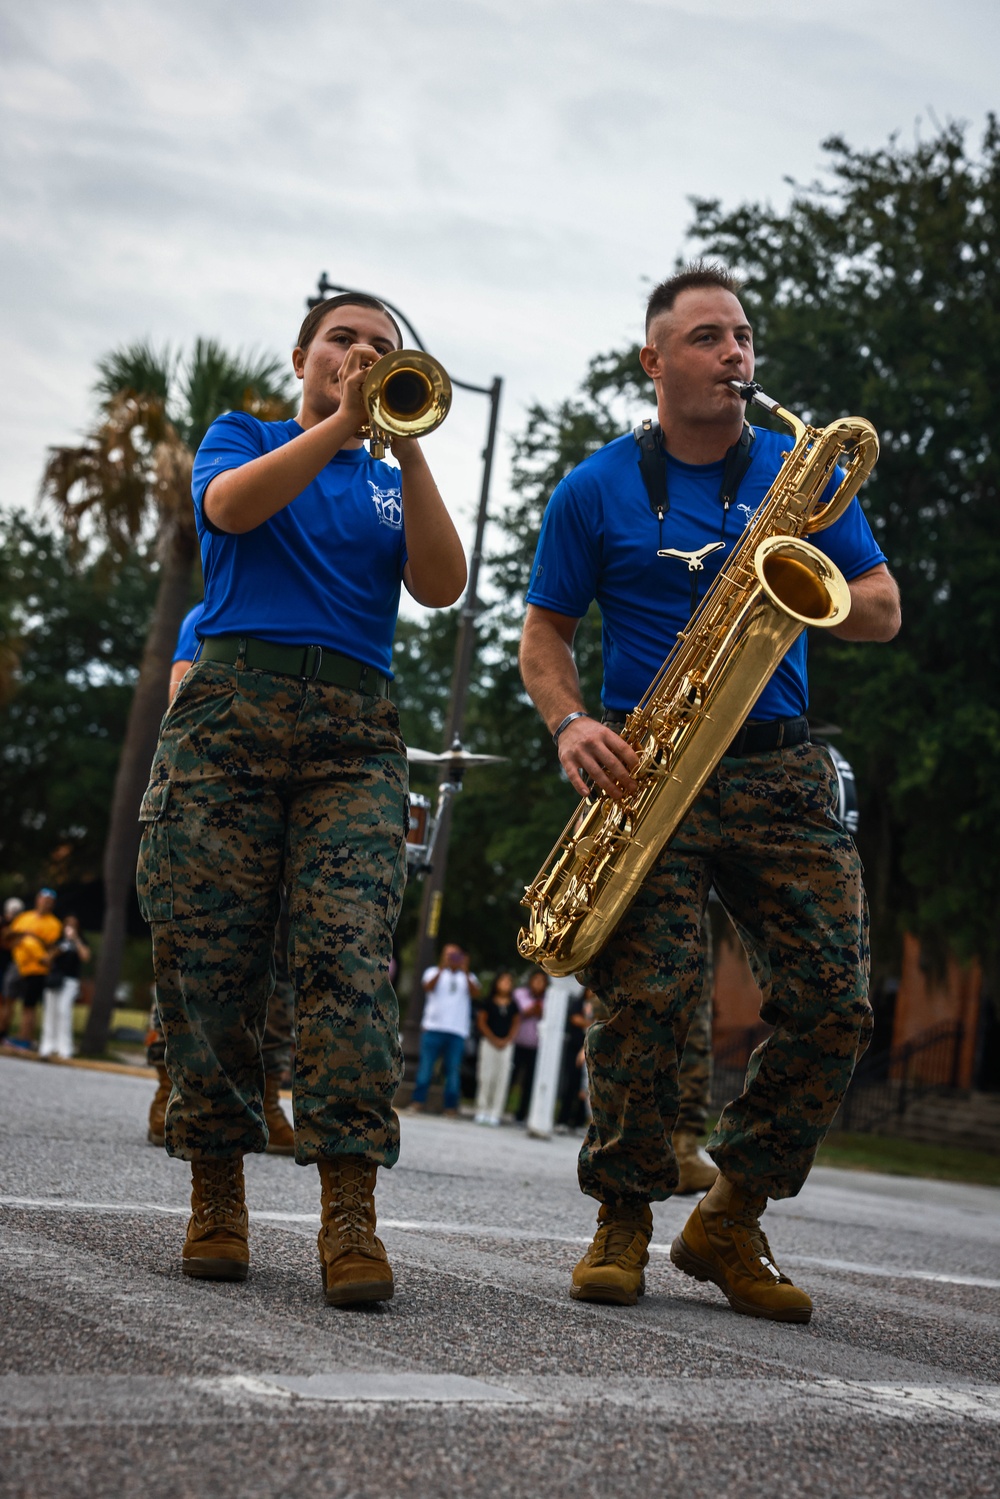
(316, 314)
(693, 276)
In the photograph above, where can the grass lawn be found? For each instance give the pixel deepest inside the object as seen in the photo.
(907, 1158)
(980, 1168)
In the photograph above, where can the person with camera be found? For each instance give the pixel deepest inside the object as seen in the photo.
(449, 989)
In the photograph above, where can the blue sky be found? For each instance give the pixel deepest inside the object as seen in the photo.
(511, 173)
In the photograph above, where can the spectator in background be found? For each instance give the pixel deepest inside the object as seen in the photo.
(497, 1021)
(8, 968)
(33, 936)
(449, 989)
(586, 1112)
(571, 1110)
(62, 989)
(531, 1002)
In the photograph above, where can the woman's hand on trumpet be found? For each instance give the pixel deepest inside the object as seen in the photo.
(350, 382)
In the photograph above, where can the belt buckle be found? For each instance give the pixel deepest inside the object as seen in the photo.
(310, 676)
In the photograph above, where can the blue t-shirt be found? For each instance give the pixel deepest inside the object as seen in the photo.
(600, 537)
(325, 570)
(188, 644)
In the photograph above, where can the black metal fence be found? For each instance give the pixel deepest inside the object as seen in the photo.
(729, 1062)
(885, 1084)
(889, 1083)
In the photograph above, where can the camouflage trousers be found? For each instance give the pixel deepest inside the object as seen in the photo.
(694, 1072)
(764, 832)
(260, 778)
(277, 1043)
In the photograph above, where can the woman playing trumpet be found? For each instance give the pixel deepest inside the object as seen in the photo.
(280, 762)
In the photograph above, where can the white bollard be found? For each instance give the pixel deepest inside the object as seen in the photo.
(548, 1065)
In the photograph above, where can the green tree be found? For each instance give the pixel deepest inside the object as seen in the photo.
(71, 632)
(130, 481)
(875, 292)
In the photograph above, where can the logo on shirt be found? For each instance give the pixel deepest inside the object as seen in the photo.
(388, 505)
(696, 559)
(747, 514)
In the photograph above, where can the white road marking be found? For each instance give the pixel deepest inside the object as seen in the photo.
(494, 1231)
(410, 1388)
(91, 1400)
(850, 1267)
(71, 1205)
(915, 1402)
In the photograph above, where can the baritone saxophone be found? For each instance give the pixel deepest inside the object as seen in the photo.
(771, 587)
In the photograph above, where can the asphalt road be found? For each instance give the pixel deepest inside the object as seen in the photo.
(120, 1377)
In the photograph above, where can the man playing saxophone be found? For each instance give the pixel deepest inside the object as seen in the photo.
(763, 830)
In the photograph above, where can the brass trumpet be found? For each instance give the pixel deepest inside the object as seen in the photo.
(407, 394)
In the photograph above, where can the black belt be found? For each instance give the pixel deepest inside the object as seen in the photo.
(776, 733)
(753, 738)
(313, 663)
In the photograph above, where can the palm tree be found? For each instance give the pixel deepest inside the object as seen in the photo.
(130, 479)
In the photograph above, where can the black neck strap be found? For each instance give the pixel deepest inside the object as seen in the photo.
(653, 465)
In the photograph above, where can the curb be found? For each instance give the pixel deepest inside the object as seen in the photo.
(85, 1064)
(88, 1064)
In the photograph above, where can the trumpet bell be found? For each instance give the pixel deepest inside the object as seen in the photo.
(407, 394)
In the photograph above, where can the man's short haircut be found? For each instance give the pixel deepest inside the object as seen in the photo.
(316, 314)
(692, 277)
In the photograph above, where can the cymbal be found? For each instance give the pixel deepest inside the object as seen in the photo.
(453, 759)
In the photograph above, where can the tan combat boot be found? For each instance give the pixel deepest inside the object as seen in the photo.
(613, 1269)
(723, 1241)
(280, 1135)
(693, 1173)
(354, 1262)
(158, 1108)
(217, 1247)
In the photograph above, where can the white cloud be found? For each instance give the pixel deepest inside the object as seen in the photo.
(508, 172)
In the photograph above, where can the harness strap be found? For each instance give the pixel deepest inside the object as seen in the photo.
(653, 465)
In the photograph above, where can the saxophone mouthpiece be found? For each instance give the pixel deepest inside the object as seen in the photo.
(749, 390)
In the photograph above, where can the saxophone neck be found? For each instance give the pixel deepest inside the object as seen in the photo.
(754, 394)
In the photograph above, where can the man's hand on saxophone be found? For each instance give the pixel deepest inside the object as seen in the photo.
(591, 754)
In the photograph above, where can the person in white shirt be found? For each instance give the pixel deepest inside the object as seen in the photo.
(449, 989)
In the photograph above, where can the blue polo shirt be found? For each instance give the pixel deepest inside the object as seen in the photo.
(326, 570)
(600, 538)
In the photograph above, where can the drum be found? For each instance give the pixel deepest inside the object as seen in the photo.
(418, 836)
(847, 792)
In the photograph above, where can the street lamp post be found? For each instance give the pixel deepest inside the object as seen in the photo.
(430, 908)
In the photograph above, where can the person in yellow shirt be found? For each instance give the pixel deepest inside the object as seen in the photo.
(33, 936)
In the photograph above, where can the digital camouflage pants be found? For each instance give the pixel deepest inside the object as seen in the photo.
(764, 832)
(278, 1041)
(694, 1074)
(257, 776)
(276, 1044)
